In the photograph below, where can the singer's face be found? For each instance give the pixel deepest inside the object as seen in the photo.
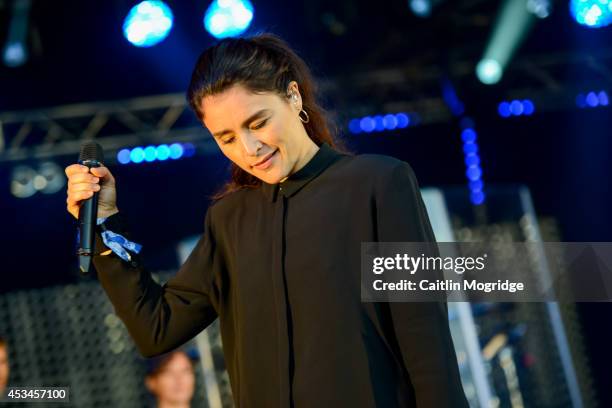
(242, 121)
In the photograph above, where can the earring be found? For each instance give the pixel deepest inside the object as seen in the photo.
(306, 119)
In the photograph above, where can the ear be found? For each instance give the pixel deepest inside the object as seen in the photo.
(150, 383)
(294, 96)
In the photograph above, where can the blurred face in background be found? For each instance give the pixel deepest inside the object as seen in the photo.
(250, 128)
(4, 367)
(174, 383)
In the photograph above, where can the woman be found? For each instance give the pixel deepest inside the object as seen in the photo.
(171, 379)
(279, 259)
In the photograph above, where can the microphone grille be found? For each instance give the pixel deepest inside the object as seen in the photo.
(91, 151)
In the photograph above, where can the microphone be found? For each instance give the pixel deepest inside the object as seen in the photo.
(91, 156)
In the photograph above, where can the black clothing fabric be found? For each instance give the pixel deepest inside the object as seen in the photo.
(280, 266)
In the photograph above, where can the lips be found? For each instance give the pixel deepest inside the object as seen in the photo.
(267, 157)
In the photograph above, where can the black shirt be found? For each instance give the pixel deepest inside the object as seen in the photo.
(280, 266)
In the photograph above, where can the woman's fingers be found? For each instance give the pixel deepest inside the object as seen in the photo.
(76, 187)
(75, 169)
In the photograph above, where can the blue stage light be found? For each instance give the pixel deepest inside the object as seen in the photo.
(379, 125)
(176, 151)
(603, 98)
(390, 122)
(477, 197)
(402, 120)
(354, 126)
(148, 23)
(468, 135)
(188, 150)
(592, 99)
(472, 160)
(504, 110)
(592, 13)
(367, 124)
(123, 156)
(473, 173)
(516, 107)
(137, 155)
(475, 185)
(228, 18)
(163, 152)
(469, 148)
(150, 153)
(528, 107)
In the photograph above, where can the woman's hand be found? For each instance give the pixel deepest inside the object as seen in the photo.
(83, 182)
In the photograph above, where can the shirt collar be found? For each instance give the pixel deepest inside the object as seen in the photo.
(322, 159)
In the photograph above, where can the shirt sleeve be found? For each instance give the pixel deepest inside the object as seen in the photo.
(161, 317)
(421, 328)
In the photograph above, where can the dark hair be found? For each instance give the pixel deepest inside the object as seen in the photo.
(260, 63)
(155, 365)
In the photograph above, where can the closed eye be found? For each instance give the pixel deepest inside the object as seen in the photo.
(260, 124)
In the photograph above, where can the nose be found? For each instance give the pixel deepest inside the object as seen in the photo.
(251, 144)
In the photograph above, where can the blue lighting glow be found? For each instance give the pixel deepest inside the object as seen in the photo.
(592, 99)
(188, 150)
(123, 156)
(15, 54)
(468, 135)
(137, 155)
(603, 98)
(472, 160)
(504, 110)
(592, 13)
(473, 170)
(148, 23)
(176, 151)
(528, 107)
(380, 123)
(390, 122)
(477, 197)
(475, 185)
(473, 173)
(152, 153)
(516, 108)
(163, 152)
(470, 148)
(228, 18)
(355, 126)
(402, 120)
(367, 124)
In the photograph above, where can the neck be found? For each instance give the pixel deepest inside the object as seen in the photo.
(310, 149)
(169, 404)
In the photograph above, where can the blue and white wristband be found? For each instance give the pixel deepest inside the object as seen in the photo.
(118, 243)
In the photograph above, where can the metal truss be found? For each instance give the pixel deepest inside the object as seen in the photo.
(61, 130)
(413, 87)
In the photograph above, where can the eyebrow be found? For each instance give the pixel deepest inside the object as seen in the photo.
(250, 119)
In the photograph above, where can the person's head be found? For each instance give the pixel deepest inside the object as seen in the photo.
(240, 77)
(4, 364)
(171, 379)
